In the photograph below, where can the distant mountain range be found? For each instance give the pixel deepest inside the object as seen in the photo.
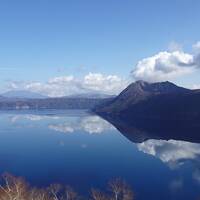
(139, 101)
(140, 112)
(22, 100)
(153, 101)
(92, 96)
(22, 94)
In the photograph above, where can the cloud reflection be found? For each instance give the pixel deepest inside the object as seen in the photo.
(88, 124)
(172, 152)
(91, 124)
(31, 117)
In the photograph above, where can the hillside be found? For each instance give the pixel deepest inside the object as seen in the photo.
(50, 103)
(142, 100)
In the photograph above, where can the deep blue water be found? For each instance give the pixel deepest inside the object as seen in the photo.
(83, 150)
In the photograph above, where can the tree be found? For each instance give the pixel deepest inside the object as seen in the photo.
(127, 193)
(116, 187)
(14, 188)
(120, 189)
(55, 191)
(70, 194)
(39, 194)
(98, 195)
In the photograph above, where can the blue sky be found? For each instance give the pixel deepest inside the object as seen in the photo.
(42, 39)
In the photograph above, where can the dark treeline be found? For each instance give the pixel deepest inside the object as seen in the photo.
(16, 188)
(50, 103)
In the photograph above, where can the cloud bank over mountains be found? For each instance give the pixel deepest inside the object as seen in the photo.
(167, 65)
(70, 85)
(163, 66)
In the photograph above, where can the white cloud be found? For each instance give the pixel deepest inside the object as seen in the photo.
(163, 66)
(167, 65)
(61, 80)
(69, 85)
(109, 84)
(195, 86)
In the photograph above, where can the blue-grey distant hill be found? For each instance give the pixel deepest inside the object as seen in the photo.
(23, 94)
(23, 100)
(92, 96)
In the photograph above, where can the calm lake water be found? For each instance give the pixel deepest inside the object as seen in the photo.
(83, 150)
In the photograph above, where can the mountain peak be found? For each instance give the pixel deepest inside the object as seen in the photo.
(140, 91)
(141, 87)
(141, 82)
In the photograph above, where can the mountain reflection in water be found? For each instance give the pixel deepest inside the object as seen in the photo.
(175, 144)
(141, 130)
(83, 149)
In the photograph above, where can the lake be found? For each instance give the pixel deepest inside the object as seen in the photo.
(83, 150)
